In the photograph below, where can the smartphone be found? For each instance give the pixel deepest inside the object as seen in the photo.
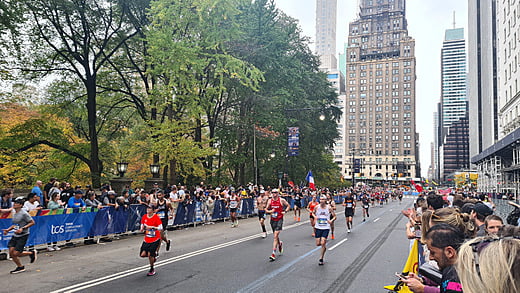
(401, 276)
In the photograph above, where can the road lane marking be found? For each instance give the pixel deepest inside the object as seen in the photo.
(144, 268)
(337, 244)
(101, 280)
(377, 220)
(260, 282)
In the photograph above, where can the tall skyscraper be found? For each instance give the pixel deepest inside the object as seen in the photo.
(482, 75)
(380, 92)
(326, 33)
(326, 50)
(451, 137)
(453, 71)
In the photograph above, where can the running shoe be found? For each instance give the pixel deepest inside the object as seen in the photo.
(299, 219)
(57, 248)
(363, 220)
(320, 262)
(295, 218)
(151, 272)
(264, 234)
(50, 248)
(272, 257)
(348, 230)
(168, 243)
(332, 237)
(33, 256)
(280, 247)
(18, 270)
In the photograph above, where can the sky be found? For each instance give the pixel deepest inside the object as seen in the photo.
(427, 22)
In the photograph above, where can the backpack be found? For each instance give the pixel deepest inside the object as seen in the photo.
(512, 218)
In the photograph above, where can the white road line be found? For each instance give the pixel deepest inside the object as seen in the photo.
(98, 281)
(337, 244)
(377, 220)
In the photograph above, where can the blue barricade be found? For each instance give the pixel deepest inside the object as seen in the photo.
(248, 206)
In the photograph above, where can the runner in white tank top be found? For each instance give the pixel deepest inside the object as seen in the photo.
(324, 215)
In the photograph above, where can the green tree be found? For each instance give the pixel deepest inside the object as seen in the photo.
(78, 39)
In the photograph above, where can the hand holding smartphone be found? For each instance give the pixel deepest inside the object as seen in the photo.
(401, 276)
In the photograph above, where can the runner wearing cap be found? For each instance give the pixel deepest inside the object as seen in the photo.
(325, 216)
(151, 225)
(261, 203)
(275, 206)
(21, 223)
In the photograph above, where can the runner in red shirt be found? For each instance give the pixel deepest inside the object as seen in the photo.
(275, 207)
(151, 225)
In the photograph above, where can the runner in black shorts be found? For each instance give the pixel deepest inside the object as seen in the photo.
(261, 203)
(350, 205)
(297, 196)
(365, 202)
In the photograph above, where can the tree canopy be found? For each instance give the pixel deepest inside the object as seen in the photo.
(195, 85)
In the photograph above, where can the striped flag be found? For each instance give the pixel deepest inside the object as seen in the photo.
(310, 179)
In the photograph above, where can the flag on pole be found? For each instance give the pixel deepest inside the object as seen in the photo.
(411, 266)
(310, 179)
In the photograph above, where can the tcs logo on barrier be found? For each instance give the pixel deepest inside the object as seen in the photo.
(57, 229)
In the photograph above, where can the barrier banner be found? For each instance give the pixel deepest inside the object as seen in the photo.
(135, 214)
(185, 214)
(220, 210)
(248, 206)
(53, 228)
(109, 220)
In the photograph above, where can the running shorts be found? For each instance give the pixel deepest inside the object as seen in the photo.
(277, 225)
(322, 233)
(298, 203)
(151, 248)
(18, 242)
(349, 212)
(232, 210)
(261, 215)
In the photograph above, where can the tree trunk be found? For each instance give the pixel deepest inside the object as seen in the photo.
(95, 163)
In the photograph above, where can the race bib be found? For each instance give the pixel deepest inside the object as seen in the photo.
(322, 221)
(274, 215)
(365, 206)
(161, 214)
(349, 205)
(150, 233)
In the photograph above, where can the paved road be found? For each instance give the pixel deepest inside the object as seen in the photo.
(217, 258)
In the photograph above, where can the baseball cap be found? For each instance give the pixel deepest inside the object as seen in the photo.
(78, 192)
(262, 191)
(274, 190)
(323, 197)
(482, 209)
(19, 200)
(111, 192)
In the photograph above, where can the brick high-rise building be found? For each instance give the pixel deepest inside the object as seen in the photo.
(380, 92)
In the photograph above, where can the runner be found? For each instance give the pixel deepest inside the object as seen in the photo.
(233, 203)
(310, 208)
(325, 215)
(21, 223)
(151, 224)
(163, 207)
(365, 202)
(275, 206)
(297, 196)
(332, 204)
(261, 203)
(350, 205)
